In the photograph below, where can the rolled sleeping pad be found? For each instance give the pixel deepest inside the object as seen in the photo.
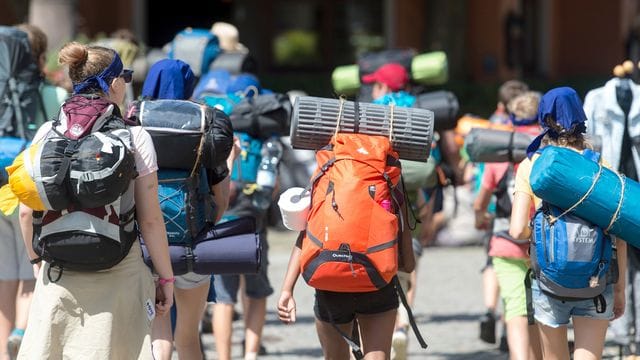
(346, 79)
(430, 68)
(231, 247)
(176, 128)
(369, 62)
(563, 177)
(235, 63)
(469, 121)
(314, 119)
(492, 145)
(444, 105)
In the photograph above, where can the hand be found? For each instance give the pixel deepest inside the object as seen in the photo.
(164, 298)
(287, 308)
(483, 219)
(619, 302)
(36, 269)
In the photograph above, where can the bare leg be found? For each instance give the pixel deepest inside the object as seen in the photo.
(535, 349)
(518, 337)
(191, 304)
(8, 291)
(333, 345)
(376, 332)
(162, 337)
(490, 288)
(254, 319)
(555, 345)
(589, 338)
(222, 318)
(23, 301)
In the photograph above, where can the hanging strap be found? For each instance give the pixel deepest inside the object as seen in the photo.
(616, 214)
(356, 117)
(354, 341)
(510, 147)
(529, 297)
(412, 320)
(339, 119)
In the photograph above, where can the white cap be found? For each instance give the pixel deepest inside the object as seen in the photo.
(228, 36)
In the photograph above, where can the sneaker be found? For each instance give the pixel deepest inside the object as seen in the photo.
(504, 344)
(13, 343)
(625, 352)
(261, 351)
(488, 328)
(399, 345)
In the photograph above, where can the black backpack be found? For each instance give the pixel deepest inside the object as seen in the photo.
(20, 81)
(20, 99)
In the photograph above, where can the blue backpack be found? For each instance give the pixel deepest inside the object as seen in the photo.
(196, 47)
(245, 169)
(186, 203)
(571, 257)
(215, 82)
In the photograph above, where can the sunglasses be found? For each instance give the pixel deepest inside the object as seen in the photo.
(127, 75)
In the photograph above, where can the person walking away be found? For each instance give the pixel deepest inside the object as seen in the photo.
(508, 91)
(509, 256)
(243, 201)
(610, 116)
(103, 314)
(16, 274)
(562, 119)
(173, 79)
(348, 301)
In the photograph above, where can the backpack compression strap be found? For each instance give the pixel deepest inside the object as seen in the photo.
(412, 319)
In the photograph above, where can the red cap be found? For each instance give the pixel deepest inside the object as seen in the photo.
(393, 75)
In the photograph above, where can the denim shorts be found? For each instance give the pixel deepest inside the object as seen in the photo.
(554, 313)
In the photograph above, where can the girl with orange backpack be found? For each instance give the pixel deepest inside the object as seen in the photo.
(356, 239)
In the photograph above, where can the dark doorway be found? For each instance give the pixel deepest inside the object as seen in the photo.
(166, 19)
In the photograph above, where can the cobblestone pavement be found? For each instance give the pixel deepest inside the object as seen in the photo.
(447, 309)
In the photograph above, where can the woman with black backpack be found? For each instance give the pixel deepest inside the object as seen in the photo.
(562, 119)
(78, 312)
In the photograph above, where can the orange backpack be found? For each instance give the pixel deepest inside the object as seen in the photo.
(351, 241)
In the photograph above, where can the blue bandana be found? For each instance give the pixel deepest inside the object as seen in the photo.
(564, 106)
(102, 80)
(522, 122)
(169, 79)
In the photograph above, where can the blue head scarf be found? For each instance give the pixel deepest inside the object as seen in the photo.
(102, 80)
(169, 79)
(564, 106)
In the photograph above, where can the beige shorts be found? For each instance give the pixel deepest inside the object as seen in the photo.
(14, 261)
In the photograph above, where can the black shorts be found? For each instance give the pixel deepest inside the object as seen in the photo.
(342, 308)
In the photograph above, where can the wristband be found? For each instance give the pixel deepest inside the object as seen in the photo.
(35, 261)
(164, 281)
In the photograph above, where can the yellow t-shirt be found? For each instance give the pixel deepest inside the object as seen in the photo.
(524, 173)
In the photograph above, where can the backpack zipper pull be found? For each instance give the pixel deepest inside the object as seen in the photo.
(334, 204)
(353, 271)
(595, 280)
